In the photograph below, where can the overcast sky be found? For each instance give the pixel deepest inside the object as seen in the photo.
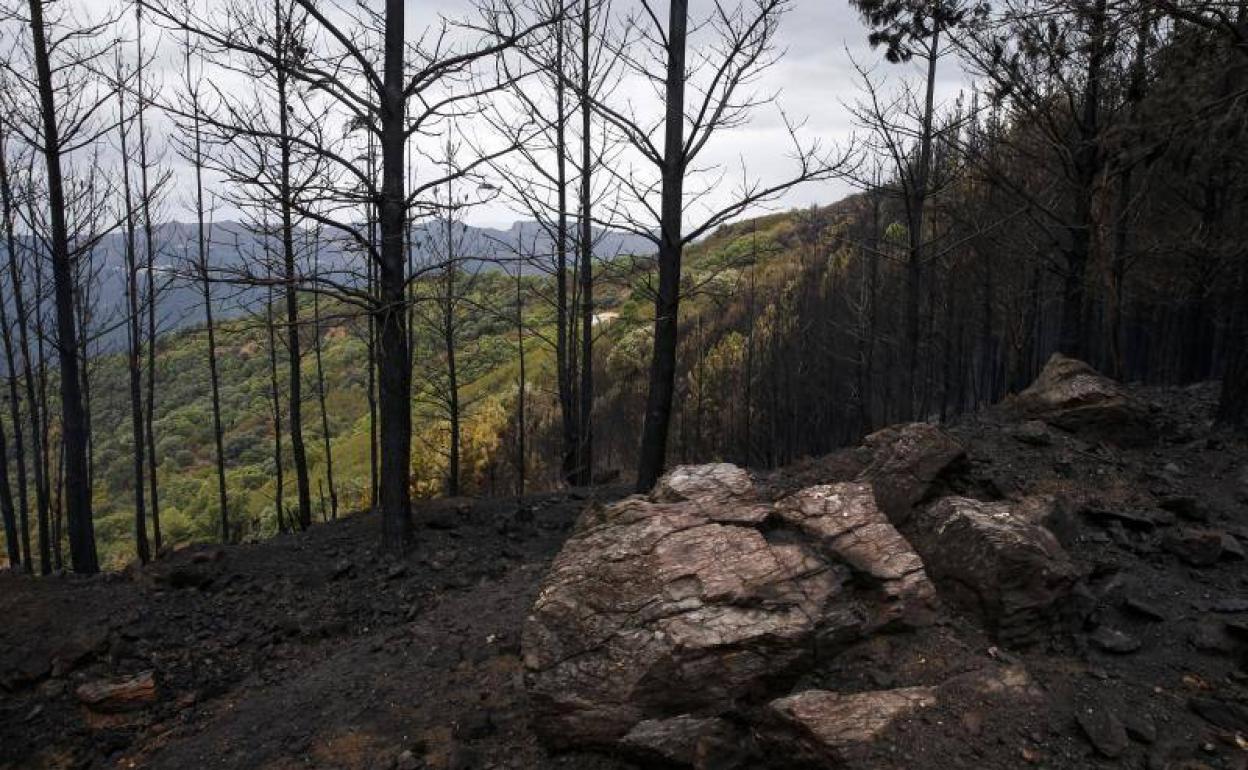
(814, 78)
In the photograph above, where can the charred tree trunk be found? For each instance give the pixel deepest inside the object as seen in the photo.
(585, 427)
(394, 367)
(78, 492)
(134, 340)
(320, 395)
(19, 538)
(279, 494)
(297, 451)
(1087, 159)
(671, 245)
(149, 237)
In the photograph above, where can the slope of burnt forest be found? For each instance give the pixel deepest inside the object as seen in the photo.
(314, 651)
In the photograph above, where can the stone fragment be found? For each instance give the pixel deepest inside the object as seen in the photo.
(117, 695)
(993, 561)
(1104, 730)
(1114, 641)
(827, 728)
(907, 463)
(700, 743)
(1196, 547)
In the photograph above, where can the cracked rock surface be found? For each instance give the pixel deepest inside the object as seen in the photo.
(656, 609)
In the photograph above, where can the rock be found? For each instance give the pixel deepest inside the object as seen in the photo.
(1138, 520)
(1033, 433)
(23, 666)
(1071, 395)
(654, 610)
(990, 559)
(1210, 636)
(706, 484)
(1196, 547)
(1139, 726)
(826, 728)
(1141, 607)
(188, 575)
(406, 761)
(907, 462)
(1221, 713)
(1186, 507)
(207, 556)
(1104, 730)
(1230, 605)
(700, 743)
(1114, 641)
(343, 568)
(842, 519)
(1231, 548)
(80, 645)
(113, 696)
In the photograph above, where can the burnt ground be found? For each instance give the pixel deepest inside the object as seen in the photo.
(313, 651)
(307, 651)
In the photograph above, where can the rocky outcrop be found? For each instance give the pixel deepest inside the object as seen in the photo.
(1071, 395)
(996, 561)
(701, 600)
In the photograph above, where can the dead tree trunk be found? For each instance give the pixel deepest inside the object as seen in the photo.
(671, 245)
(78, 492)
(134, 338)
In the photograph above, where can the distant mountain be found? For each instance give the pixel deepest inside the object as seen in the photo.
(233, 246)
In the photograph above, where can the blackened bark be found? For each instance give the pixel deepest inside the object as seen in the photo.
(585, 426)
(1087, 160)
(77, 490)
(134, 340)
(18, 540)
(394, 366)
(671, 244)
(297, 451)
(279, 493)
(320, 394)
(149, 236)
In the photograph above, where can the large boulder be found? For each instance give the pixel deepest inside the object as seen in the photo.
(997, 561)
(702, 600)
(1071, 395)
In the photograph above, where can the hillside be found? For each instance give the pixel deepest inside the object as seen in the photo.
(314, 651)
(489, 386)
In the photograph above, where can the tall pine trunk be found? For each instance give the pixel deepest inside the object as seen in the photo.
(149, 237)
(585, 426)
(394, 366)
(134, 340)
(671, 245)
(19, 539)
(77, 489)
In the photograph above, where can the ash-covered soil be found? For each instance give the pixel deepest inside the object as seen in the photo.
(307, 651)
(313, 651)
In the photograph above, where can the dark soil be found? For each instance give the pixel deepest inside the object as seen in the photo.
(307, 651)
(313, 651)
